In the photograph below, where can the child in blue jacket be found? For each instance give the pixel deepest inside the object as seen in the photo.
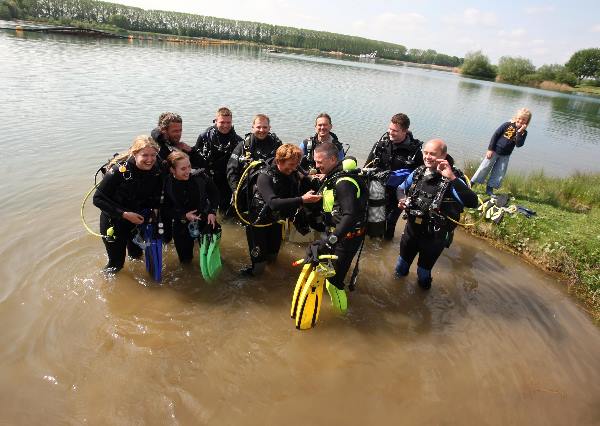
(503, 142)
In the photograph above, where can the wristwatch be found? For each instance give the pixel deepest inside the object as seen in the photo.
(332, 239)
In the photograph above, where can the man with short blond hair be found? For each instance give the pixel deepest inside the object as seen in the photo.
(215, 146)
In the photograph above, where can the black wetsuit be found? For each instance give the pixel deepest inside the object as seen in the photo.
(386, 155)
(126, 190)
(276, 197)
(346, 220)
(308, 150)
(182, 196)
(216, 148)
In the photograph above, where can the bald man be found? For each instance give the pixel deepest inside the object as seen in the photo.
(432, 197)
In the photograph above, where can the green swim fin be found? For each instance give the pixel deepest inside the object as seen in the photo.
(213, 255)
(203, 252)
(339, 300)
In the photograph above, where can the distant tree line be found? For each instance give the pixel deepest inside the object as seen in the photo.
(583, 65)
(185, 24)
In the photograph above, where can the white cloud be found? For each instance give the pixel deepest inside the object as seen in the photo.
(401, 21)
(472, 17)
(595, 28)
(539, 9)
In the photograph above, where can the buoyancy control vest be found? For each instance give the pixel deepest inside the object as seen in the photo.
(308, 160)
(390, 156)
(135, 189)
(431, 202)
(284, 186)
(331, 205)
(217, 148)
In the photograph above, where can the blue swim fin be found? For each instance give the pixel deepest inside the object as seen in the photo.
(153, 251)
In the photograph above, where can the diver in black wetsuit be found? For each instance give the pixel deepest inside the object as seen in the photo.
(276, 195)
(398, 151)
(215, 145)
(131, 186)
(432, 197)
(189, 198)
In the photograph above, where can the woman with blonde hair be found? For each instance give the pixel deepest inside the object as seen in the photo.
(504, 140)
(131, 187)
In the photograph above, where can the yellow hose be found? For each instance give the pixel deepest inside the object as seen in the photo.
(85, 225)
(235, 196)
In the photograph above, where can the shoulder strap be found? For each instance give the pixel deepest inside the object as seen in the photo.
(349, 179)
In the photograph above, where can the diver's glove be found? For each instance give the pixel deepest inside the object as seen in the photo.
(324, 246)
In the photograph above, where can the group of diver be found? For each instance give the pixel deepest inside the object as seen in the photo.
(265, 183)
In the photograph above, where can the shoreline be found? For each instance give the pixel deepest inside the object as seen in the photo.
(558, 240)
(90, 29)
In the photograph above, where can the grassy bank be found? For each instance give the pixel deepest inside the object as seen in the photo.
(564, 235)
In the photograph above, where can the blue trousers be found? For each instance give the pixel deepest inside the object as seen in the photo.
(495, 167)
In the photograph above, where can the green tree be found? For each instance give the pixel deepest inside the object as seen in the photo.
(9, 9)
(119, 21)
(478, 65)
(514, 70)
(585, 64)
(556, 72)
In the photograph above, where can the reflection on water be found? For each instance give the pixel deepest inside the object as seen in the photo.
(493, 342)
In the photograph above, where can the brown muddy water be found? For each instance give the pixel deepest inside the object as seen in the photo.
(495, 341)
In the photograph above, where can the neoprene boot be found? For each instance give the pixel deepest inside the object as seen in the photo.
(401, 267)
(424, 278)
(253, 270)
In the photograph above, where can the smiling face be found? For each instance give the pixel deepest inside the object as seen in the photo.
(324, 163)
(432, 151)
(287, 167)
(521, 121)
(323, 127)
(173, 132)
(145, 158)
(260, 128)
(182, 169)
(224, 123)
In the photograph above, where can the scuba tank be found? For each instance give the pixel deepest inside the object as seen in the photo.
(376, 205)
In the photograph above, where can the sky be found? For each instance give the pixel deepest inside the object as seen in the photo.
(544, 32)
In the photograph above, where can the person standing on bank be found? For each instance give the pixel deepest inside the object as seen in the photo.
(215, 146)
(504, 140)
(188, 198)
(276, 197)
(433, 197)
(344, 203)
(260, 144)
(132, 185)
(323, 134)
(400, 153)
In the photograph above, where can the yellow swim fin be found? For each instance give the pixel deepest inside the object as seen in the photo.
(306, 270)
(309, 303)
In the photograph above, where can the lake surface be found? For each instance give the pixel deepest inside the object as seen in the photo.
(494, 342)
